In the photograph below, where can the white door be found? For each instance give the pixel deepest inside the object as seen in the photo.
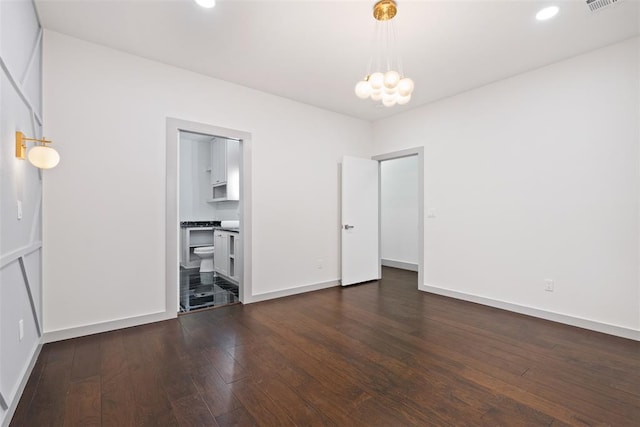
(360, 256)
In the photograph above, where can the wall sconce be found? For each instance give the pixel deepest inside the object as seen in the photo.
(40, 156)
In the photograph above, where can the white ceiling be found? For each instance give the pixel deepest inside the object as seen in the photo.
(315, 51)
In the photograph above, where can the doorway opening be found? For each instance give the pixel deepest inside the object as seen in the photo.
(209, 214)
(362, 210)
(208, 234)
(401, 213)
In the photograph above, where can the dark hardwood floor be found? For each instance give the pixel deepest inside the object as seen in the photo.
(378, 354)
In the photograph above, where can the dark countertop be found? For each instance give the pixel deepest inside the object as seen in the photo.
(196, 224)
(207, 224)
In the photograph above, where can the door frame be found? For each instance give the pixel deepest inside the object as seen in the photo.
(172, 220)
(416, 151)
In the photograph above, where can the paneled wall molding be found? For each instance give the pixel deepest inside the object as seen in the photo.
(18, 88)
(19, 253)
(32, 57)
(27, 284)
(20, 62)
(37, 219)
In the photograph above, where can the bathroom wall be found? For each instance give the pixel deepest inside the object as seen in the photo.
(118, 202)
(226, 210)
(195, 159)
(20, 239)
(535, 178)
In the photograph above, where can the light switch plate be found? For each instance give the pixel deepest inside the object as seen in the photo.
(19, 209)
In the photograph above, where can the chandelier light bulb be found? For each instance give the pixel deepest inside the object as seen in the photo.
(389, 96)
(389, 102)
(363, 89)
(391, 79)
(403, 99)
(376, 80)
(376, 95)
(405, 86)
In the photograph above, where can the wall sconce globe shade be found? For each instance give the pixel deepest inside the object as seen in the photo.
(43, 157)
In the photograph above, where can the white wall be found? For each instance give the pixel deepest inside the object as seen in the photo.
(195, 159)
(399, 211)
(20, 240)
(536, 177)
(104, 228)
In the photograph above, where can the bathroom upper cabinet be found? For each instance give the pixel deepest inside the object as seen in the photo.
(225, 170)
(218, 161)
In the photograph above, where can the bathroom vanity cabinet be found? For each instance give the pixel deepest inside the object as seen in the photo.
(193, 238)
(225, 170)
(226, 244)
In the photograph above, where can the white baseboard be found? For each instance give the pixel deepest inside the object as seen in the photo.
(15, 399)
(605, 328)
(399, 264)
(293, 291)
(80, 331)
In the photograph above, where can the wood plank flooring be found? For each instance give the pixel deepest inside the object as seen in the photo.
(377, 354)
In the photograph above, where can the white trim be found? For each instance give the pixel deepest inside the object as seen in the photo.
(293, 291)
(593, 325)
(22, 252)
(112, 325)
(411, 266)
(20, 389)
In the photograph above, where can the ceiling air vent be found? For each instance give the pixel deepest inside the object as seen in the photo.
(600, 4)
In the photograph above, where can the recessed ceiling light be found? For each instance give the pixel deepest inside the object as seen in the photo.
(547, 13)
(206, 3)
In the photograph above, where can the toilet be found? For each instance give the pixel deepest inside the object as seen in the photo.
(206, 255)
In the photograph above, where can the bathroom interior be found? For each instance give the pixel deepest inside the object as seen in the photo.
(209, 221)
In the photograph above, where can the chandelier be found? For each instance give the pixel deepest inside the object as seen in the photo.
(385, 83)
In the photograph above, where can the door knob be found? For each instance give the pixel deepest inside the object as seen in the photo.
(348, 227)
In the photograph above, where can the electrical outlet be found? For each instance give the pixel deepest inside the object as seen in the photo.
(548, 285)
(20, 329)
(19, 209)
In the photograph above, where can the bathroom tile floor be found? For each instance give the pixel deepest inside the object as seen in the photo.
(203, 290)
